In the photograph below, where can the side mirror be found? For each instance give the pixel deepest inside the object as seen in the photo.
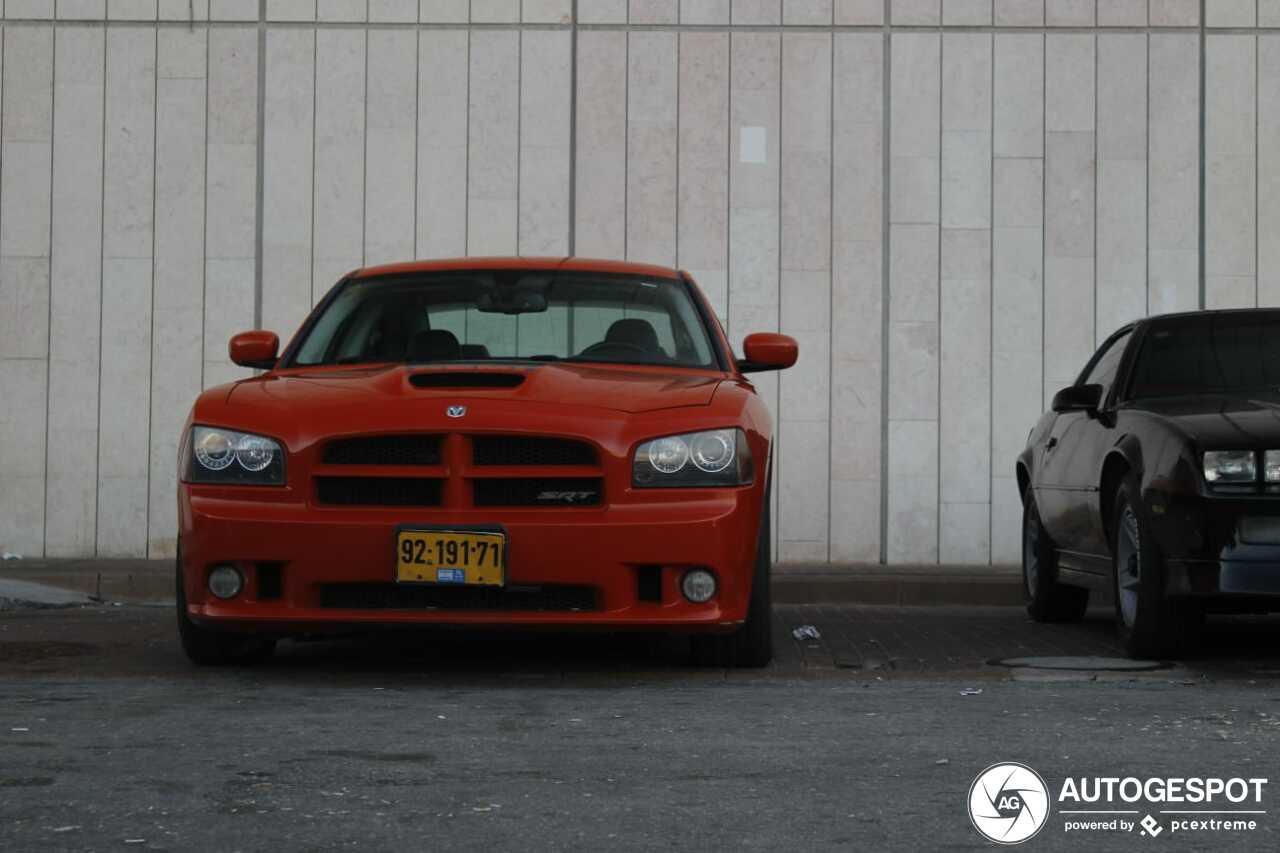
(257, 349)
(1078, 398)
(768, 351)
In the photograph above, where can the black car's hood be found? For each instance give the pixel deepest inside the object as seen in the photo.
(1249, 420)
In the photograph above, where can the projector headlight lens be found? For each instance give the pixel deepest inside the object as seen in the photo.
(717, 457)
(216, 455)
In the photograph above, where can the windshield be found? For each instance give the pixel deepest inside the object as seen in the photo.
(509, 315)
(1209, 353)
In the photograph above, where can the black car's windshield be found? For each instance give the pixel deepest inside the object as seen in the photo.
(1208, 354)
(509, 315)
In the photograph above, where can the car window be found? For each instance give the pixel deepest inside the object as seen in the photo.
(510, 314)
(1207, 354)
(1106, 363)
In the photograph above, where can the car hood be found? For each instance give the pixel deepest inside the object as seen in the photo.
(621, 388)
(1250, 420)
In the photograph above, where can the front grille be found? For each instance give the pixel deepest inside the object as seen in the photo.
(539, 491)
(379, 491)
(525, 450)
(384, 450)
(390, 596)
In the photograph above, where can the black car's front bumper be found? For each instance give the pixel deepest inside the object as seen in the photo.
(1225, 577)
(1219, 546)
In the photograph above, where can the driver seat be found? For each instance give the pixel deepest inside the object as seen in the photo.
(633, 331)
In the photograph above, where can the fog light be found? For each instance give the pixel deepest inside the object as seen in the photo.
(225, 581)
(698, 585)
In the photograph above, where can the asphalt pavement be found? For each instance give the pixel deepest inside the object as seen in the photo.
(867, 737)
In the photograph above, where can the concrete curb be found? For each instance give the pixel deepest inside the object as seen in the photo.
(20, 594)
(151, 581)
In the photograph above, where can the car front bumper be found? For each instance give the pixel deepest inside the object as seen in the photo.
(1218, 546)
(316, 550)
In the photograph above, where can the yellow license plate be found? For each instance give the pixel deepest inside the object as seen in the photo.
(451, 557)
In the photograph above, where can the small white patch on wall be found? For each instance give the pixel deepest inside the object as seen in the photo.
(753, 145)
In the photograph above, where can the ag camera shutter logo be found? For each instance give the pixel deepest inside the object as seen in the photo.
(1008, 803)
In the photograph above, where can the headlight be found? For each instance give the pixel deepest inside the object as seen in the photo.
(717, 457)
(214, 455)
(1230, 466)
(1271, 466)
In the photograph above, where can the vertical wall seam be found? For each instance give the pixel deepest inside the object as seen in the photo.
(728, 178)
(1257, 169)
(315, 98)
(48, 353)
(204, 210)
(519, 142)
(831, 267)
(1146, 209)
(573, 128)
(777, 388)
(1096, 172)
(151, 338)
(1044, 205)
(991, 313)
(102, 282)
(260, 179)
(626, 135)
(937, 435)
(364, 159)
(675, 249)
(886, 110)
(1203, 267)
(417, 120)
(466, 157)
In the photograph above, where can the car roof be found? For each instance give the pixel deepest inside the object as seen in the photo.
(519, 263)
(1178, 315)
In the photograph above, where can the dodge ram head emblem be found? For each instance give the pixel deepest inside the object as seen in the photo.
(456, 411)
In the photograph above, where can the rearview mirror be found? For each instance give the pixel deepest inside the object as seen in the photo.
(1078, 398)
(768, 351)
(254, 349)
(516, 302)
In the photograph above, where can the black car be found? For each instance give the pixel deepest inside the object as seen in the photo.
(1156, 478)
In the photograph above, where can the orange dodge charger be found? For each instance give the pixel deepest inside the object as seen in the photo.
(526, 442)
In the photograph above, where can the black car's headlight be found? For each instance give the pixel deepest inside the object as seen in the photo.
(215, 455)
(1271, 466)
(717, 457)
(1230, 466)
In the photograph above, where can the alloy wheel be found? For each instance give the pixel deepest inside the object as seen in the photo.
(1128, 565)
(1031, 551)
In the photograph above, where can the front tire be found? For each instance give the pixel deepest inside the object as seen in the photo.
(1150, 624)
(751, 646)
(211, 647)
(1047, 599)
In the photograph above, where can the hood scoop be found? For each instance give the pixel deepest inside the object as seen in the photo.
(465, 379)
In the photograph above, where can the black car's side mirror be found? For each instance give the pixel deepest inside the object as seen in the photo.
(1078, 398)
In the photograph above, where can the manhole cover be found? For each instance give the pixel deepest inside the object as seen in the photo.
(1082, 663)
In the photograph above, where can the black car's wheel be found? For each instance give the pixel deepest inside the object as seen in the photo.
(1150, 623)
(1047, 599)
(752, 644)
(210, 647)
